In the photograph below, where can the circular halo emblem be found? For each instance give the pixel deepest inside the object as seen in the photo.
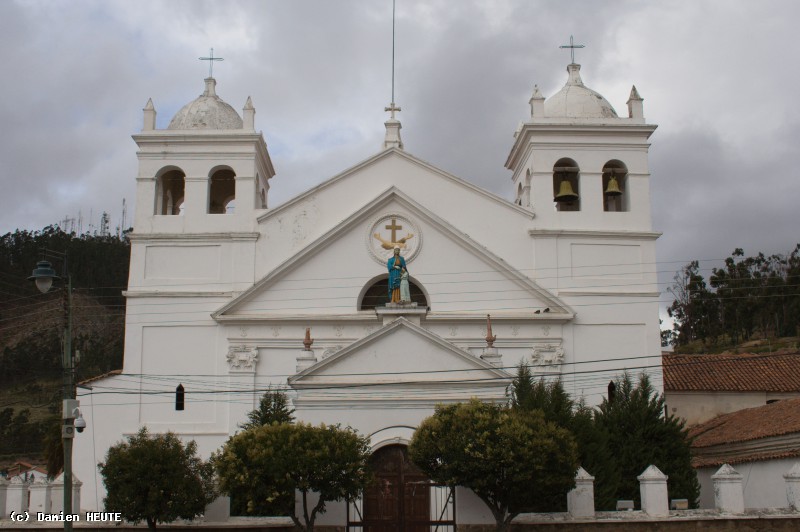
(392, 230)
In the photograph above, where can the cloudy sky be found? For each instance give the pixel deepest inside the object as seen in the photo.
(718, 77)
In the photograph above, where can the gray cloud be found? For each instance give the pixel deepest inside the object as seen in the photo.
(713, 74)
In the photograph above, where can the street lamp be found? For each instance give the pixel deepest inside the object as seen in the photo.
(44, 275)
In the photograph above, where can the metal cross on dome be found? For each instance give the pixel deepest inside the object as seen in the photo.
(211, 60)
(572, 47)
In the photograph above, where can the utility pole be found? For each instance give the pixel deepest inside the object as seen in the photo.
(70, 404)
(44, 275)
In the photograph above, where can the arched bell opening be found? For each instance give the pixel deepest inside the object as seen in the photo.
(566, 185)
(221, 191)
(615, 187)
(170, 189)
(376, 293)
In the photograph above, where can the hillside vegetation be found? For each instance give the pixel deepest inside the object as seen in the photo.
(750, 299)
(32, 324)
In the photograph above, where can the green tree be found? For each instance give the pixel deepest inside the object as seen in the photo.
(639, 434)
(528, 394)
(266, 461)
(513, 462)
(273, 408)
(695, 310)
(157, 479)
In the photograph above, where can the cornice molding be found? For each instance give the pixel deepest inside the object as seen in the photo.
(182, 237)
(585, 233)
(590, 293)
(131, 294)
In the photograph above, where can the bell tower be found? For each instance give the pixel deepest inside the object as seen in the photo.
(578, 165)
(583, 172)
(202, 184)
(208, 171)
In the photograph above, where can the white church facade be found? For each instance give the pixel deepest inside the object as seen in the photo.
(223, 286)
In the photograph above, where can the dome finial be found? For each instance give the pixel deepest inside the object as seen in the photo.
(574, 71)
(211, 87)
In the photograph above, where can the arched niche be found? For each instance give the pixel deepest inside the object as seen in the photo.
(375, 293)
(612, 201)
(170, 190)
(221, 191)
(566, 179)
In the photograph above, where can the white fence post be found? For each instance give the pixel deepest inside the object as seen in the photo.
(580, 500)
(728, 491)
(792, 478)
(653, 488)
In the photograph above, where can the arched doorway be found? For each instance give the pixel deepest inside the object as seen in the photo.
(402, 498)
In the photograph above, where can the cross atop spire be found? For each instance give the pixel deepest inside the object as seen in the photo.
(392, 109)
(392, 138)
(211, 60)
(572, 47)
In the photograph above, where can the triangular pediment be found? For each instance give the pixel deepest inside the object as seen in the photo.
(408, 161)
(328, 275)
(402, 355)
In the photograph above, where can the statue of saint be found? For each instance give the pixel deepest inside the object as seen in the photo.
(405, 291)
(396, 265)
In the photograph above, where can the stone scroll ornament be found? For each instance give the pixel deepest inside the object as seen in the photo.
(547, 355)
(242, 358)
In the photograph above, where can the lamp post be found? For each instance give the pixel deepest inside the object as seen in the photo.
(44, 275)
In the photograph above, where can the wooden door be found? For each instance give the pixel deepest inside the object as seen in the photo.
(399, 499)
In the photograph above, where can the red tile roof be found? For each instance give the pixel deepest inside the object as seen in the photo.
(111, 373)
(768, 372)
(716, 461)
(775, 419)
(749, 435)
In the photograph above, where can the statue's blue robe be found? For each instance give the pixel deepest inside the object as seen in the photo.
(394, 274)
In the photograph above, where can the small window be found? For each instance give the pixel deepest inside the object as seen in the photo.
(179, 397)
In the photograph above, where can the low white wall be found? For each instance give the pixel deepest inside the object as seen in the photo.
(763, 483)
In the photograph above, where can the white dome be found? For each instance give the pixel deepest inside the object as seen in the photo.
(575, 100)
(208, 111)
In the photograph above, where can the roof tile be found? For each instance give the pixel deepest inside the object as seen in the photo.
(769, 372)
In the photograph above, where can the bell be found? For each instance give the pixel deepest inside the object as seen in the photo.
(565, 193)
(613, 187)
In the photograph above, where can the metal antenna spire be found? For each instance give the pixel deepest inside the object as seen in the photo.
(211, 62)
(392, 107)
(572, 47)
(393, 21)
